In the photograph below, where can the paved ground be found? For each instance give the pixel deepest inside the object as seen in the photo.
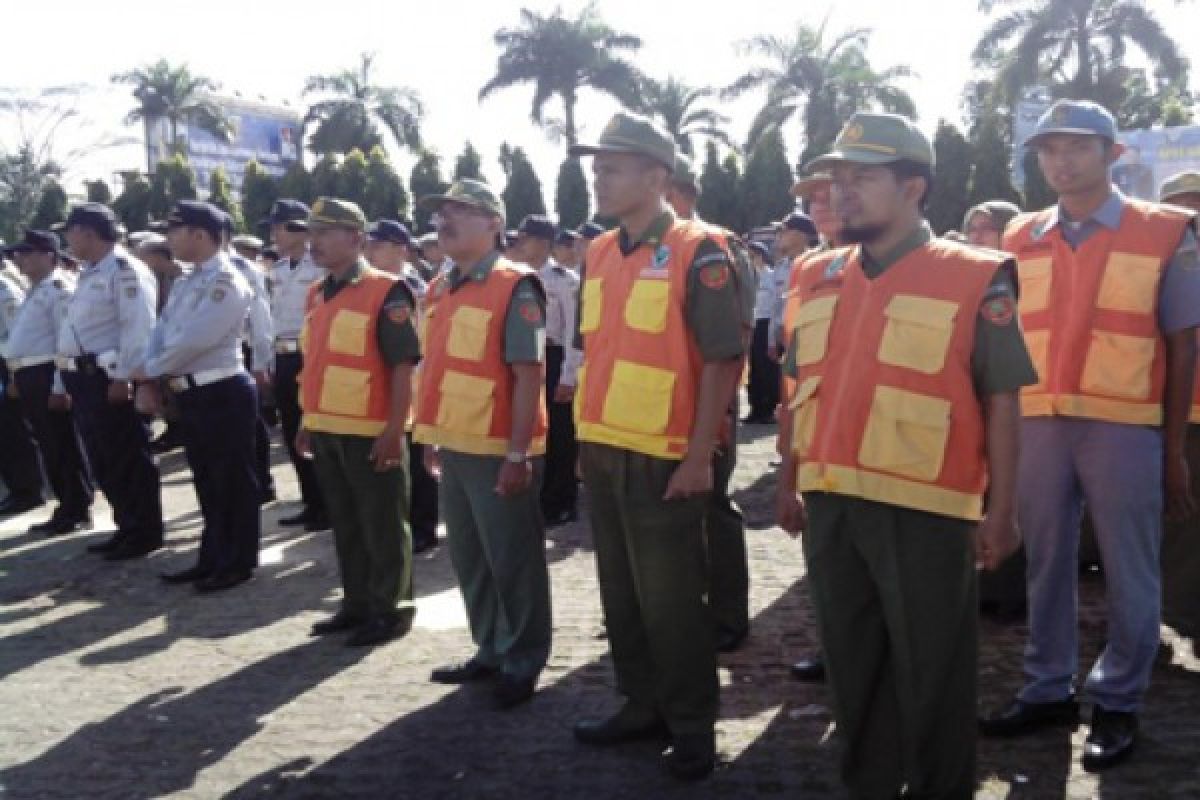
(114, 685)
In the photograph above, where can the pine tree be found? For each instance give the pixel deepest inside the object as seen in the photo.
(765, 189)
(1037, 192)
(51, 207)
(221, 196)
(173, 180)
(259, 193)
(523, 192)
(98, 192)
(469, 164)
(952, 176)
(426, 179)
(352, 178)
(718, 201)
(386, 197)
(991, 178)
(297, 184)
(326, 177)
(133, 204)
(571, 200)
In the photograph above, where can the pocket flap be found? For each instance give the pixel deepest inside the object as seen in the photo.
(463, 385)
(806, 389)
(651, 380)
(817, 310)
(918, 409)
(924, 311)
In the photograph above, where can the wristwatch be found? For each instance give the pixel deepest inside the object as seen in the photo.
(515, 457)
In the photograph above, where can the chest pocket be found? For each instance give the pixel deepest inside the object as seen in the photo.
(468, 333)
(917, 334)
(1130, 284)
(348, 333)
(813, 320)
(646, 308)
(1035, 277)
(593, 301)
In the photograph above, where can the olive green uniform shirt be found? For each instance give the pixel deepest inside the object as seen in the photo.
(1000, 362)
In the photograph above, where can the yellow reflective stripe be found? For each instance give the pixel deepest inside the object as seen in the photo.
(1101, 408)
(814, 477)
(331, 423)
(670, 447)
(466, 443)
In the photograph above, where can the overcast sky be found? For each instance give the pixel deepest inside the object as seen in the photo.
(445, 51)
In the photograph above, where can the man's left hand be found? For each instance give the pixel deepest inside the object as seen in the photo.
(386, 452)
(694, 475)
(514, 478)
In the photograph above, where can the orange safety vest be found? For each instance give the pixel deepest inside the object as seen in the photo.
(465, 388)
(885, 406)
(345, 386)
(1091, 315)
(791, 305)
(636, 388)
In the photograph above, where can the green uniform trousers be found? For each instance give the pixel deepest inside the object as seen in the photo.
(725, 534)
(1181, 556)
(498, 549)
(895, 592)
(652, 566)
(369, 513)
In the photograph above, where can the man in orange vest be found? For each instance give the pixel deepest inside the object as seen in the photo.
(1110, 301)
(1180, 555)
(481, 410)
(662, 334)
(907, 359)
(359, 343)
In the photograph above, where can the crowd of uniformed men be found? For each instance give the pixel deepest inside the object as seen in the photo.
(940, 401)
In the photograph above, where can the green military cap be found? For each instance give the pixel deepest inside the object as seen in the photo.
(808, 184)
(468, 192)
(1180, 184)
(684, 174)
(627, 132)
(332, 212)
(870, 138)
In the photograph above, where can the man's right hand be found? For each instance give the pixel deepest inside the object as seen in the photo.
(790, 512)
(303, 444)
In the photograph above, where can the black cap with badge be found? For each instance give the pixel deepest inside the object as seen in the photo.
(194, 214)
(96, 217)
(36, 241)
(290, 213)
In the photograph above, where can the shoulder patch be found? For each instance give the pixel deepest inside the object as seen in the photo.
(530, 311)
(398, 314)
(715, 276)
(999, 310)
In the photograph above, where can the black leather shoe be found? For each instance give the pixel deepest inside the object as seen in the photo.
(1111, 739)
(466, 672)
(19, 505)
(691, 757)
(1020, 718)
(809, 670)
(108, 545)
(341, 621)
(630, 724)
(268, 497)
(221, 581)
(561, 518)
(511, 691)
(378, 630)
(295, 519)
(62, 527)
(165, 444)
(424, 545)
(128, 550)
(189, 575)
(317, 522)
(729, 641)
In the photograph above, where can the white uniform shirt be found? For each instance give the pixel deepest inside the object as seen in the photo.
(289, 293)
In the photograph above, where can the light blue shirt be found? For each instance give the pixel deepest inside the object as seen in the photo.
(35, 330)
(11, 297)
(201, 326)
(113, 309)
(1179, 292)
(260, 330)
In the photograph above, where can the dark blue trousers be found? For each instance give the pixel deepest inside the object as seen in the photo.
(218, 422)
(61, 447)
(20, 468)
(117, 441)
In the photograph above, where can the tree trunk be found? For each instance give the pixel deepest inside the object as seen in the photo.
(569, 121)
(1083, 47)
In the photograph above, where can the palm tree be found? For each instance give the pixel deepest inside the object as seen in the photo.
(828, 80)
(176, 94)
(352, 109)
(1079, 47)
(679, 108)
(560, 56)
